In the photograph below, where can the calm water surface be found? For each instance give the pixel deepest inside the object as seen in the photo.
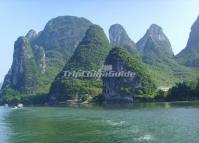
(142, 123)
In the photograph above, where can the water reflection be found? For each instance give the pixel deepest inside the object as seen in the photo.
(163, 105)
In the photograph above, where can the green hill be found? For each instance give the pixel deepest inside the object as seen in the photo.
(89, 55)
(124, 89)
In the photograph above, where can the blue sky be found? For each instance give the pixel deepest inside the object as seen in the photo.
(19, 16)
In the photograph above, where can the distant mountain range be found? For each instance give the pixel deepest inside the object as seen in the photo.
(73, 43)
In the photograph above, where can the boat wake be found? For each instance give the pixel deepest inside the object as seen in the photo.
(117, 124)
(146, 137)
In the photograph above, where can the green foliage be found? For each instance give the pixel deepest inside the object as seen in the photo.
(10, 96)
(39, 99)
(81, 90)
(13, 97)
(159, 59)
(182, 91)
(89, 55)
(197, 89)
(57, 41)
(91, 52)
(132, 63)
(11, 92)
(169, 72)
(189, 56)
(161, 95)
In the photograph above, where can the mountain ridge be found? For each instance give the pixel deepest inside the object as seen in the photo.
(73, 43)
(189, 56)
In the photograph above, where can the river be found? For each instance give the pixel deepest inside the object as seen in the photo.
(138, 123)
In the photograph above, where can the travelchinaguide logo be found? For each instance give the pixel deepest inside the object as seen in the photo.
(104, 71)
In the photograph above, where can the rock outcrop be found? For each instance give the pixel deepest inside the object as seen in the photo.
(124, 89)
(22, 76)
(118, 36)
(40, 57)
(31, 35)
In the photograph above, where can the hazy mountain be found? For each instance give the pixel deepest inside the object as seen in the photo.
(190, 55)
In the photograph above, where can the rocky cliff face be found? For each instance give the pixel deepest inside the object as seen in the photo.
(38, 58)
(89, 56)
(124, 89)
(22, 75)
(119, 36)
(194, 34)
(31, 35)
(190, 55)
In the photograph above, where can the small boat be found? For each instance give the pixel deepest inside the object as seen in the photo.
(15, 107)
(20, 105)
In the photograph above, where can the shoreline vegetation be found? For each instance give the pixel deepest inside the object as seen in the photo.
(94, 104)
(182, 92)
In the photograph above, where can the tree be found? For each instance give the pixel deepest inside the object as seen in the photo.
(182, 91)
(197, 89)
